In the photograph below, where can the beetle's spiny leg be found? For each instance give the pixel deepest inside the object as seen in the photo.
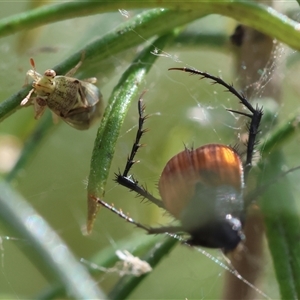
(121, 214)
(133, 185)
(220, 81)
(139, 134)
(253, 131)
(169, 230)
(165, 229)
(240, 113)
(256, 112)
(129, 181)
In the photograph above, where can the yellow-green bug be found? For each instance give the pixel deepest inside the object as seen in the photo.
(78, 102)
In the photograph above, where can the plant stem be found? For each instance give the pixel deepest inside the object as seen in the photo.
(51, 255)
(122, 96)
(260, 17)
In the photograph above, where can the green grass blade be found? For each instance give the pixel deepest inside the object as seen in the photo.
(278, 205)
(122, 96)
(106, 258)
(263, 18)
(42, 128)
(51, 255)
(282, 226)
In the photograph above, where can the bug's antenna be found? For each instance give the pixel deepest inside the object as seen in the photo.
(32, 63)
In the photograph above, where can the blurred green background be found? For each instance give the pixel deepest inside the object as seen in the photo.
(182, 110)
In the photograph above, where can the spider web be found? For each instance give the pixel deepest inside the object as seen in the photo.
(199, 118)
(200, 114)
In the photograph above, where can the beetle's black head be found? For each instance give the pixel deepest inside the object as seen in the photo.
(225, 234)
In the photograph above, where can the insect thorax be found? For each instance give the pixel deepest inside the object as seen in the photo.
(64, 96)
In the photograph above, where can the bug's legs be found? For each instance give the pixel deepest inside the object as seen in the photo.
(150, 230)
(255, 113)
(120, 213)
(32, 73)
(27, 98)
(39, 107)
(128, 181)
(55, 118)
(165, 229)
(74, 70)
(90, 80)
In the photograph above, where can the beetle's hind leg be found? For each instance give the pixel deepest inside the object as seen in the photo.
(150, 230)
